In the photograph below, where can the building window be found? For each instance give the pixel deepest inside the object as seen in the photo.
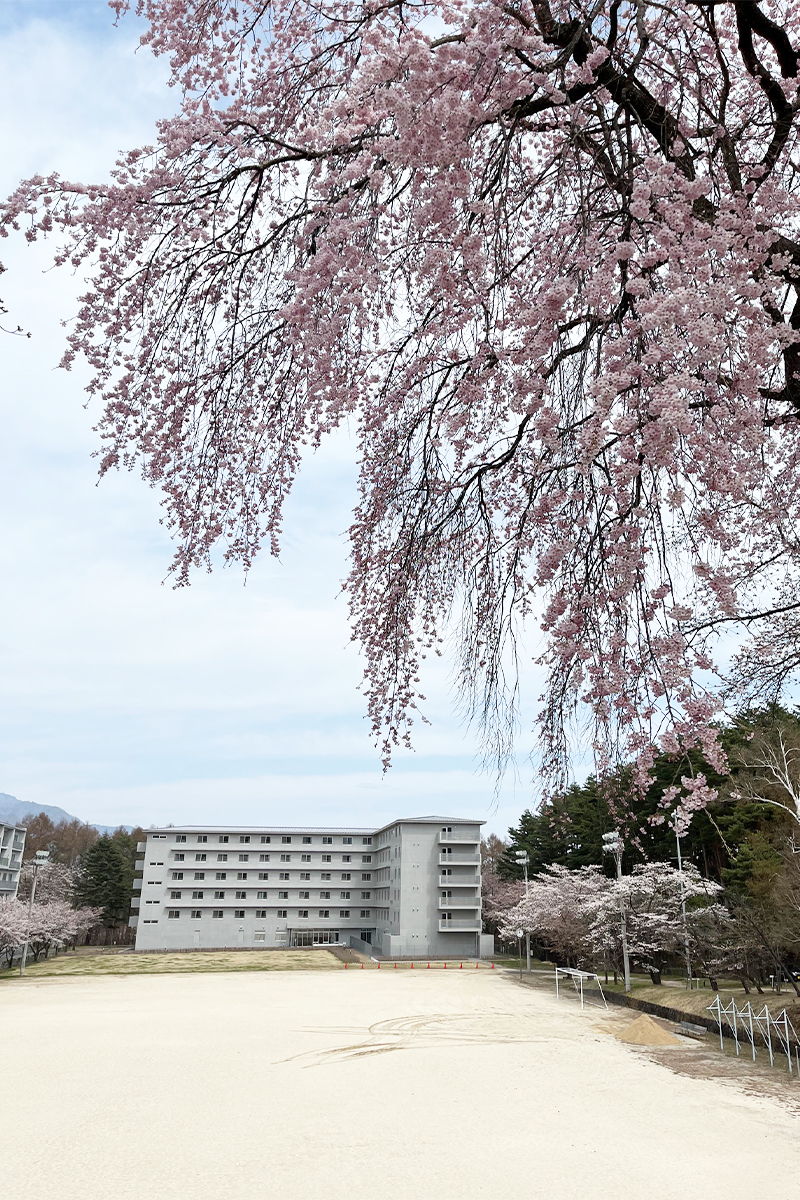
(305, 875)
(222, 874)
(324, 895)
(366, 895)
(366, 858)
(180, 837)
(180, 857)
(197, 914)
(366, 912)
(286, 858)
(173, 913)
(302, 913)
(175, 895)
(305, 858)
(304, 895)
(263, 874)
(241, 895)
(344, 912)
(325, 875)
(262, 896)
(200, 857)
(177, 874)
(263, 858)
(282, 914)
(261, 915)
(222, 858)
(344, 895)
(324, 913)
(223, 839)
(199, 874)
(327, 858)
(241, 874)
(345, 876)
(306, 841)
(327, 841)
(244, 858)
(219, 895)
(347, 858)
(347, 841)
(265, 841)
(202, 837)
(244, 839)
(197, 895)
(283, 875)
(238, 914)
(287, 841)
(283, 895)
(366, 841)
(216, 913)
(366, 876)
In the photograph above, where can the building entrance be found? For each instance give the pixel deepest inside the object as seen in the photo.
(315, 937)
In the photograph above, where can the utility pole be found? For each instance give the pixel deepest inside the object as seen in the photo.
(522, 861)
(683, 904)
(39, 859)
(612, 844)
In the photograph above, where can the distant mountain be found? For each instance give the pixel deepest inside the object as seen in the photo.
(14, 810)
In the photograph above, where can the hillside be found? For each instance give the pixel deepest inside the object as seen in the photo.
(14, 810)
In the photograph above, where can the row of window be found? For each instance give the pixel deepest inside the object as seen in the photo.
(264, 858)
(242, 895)
(244, 839)
(304, 876)
(196, 914)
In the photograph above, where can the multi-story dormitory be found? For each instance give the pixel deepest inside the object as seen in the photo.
(12, 845)
(410, 888)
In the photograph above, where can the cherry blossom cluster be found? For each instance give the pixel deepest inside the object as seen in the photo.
(544, 256)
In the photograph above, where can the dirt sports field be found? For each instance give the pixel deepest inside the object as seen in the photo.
(348, 1085)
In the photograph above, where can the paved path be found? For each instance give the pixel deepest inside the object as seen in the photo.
(358, 1085)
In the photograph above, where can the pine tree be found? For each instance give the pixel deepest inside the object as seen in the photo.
(106, 880)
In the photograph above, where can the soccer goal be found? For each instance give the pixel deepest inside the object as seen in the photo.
(586, 985)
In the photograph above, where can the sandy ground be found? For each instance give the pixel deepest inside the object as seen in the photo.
(360, 1084)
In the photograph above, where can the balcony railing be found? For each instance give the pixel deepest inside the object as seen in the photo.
(459, 901)
(468, 879)
(459, 858)
(463, 836)
(459, 926)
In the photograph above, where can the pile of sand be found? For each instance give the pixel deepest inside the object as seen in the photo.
(645, 1032)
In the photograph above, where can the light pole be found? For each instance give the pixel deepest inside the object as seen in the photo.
(612, 844)
(39, 859)
(522, 861)
(683, 903)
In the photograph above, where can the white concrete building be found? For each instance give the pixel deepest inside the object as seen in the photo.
(410, 888)
(12, 843)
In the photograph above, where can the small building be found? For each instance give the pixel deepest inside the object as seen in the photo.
(411, 888)
(12, 844)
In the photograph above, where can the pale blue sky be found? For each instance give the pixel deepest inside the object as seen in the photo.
(122, 699)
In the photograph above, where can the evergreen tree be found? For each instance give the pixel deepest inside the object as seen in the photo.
(106, 879)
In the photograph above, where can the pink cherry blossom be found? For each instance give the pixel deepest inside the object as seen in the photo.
(544, 257)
